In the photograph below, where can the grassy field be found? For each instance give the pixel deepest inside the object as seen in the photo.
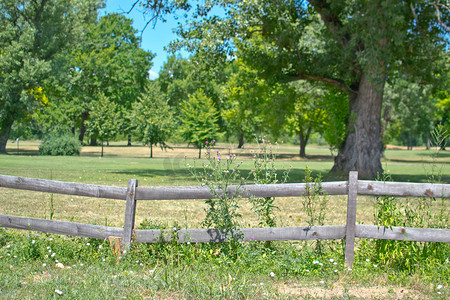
(185, 271)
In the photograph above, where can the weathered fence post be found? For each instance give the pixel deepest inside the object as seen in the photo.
(351, 218)
(130, 213)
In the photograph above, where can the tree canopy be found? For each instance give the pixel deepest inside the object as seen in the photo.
(355, 47)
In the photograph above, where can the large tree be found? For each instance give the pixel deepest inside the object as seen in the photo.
(32, 33)
(354, 46)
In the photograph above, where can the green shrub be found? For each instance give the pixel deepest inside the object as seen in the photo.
(60, 144)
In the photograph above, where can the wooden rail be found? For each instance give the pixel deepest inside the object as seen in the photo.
(132, 193)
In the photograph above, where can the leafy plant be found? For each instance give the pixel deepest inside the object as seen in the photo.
(60, 144)
(218, 173)
(265, 172)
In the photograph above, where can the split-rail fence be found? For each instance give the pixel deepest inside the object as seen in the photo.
(133, 193)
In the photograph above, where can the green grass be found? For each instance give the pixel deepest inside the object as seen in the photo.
(198, 271)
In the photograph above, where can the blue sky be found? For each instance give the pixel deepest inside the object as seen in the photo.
(153, 39)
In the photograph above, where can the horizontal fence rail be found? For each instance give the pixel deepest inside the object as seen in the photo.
(132, 193)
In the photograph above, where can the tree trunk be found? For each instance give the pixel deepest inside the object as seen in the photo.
(151, 150)
(5, 129)
(303, 142)
(129, 141)
(241, 141)
(361, 150)
(199, 152)
(101, 155)
(84, 117)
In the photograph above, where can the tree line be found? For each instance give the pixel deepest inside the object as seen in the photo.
(358, 74)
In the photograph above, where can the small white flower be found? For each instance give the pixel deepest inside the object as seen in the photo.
(81, 265)
(151, 271)
(33, 241)
(60, 265)
(100, 246)
(87, 244)
(322, 282)
(58, 292)
(7, 246)
(315, 262)
(272, 274)
(375, 266)
(335, 263)
(48, 248)
(53, 254)
(141, 264)
(253, 284)
(367, 259)
(261, 284)
(50, 239)
(15, 256)
(439, 287)
(44, 264)
(350, 269)
(331, 260)
(335, 271)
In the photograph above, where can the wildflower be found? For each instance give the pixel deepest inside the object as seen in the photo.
(213, 141)
(375, 266)
(60, 265)
(7, 246)
(335, 271)
(322, 282)
(261, 284)
(33, 241)
(315, 262)
(50, 239)
(331, 260)
(252, 237)
(272, 274)
(439, 287)
(44, 264)
(207, 142)
(100, 246)
(53, 254)
(253, 284)
(151, 271)
(88, 244)
(58, 292)
(367, 259)
(350, 269)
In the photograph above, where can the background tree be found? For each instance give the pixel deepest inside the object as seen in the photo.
(32, 33)
(199, 117)
(105, 122)
(108, 61)
(152, 118)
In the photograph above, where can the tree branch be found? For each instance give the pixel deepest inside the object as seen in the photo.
(331, 20)
(336, 83)
(438, 13)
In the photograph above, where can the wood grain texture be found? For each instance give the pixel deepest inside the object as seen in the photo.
(403, 233)
(351, 218)
(403, 189)
(60, 227)
(130, 212)
(249, 234)
(61, 187)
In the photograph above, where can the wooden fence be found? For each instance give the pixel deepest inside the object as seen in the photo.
(133, 193)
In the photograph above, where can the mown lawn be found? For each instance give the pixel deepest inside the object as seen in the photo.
(28, 260)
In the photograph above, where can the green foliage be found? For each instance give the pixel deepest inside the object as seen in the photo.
(60, 144)
(104, 123)
(265, 172)
(406, 255)
(198, 117)
(218, 173)
(152, 119)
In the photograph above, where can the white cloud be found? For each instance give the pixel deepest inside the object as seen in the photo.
(152, 75)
